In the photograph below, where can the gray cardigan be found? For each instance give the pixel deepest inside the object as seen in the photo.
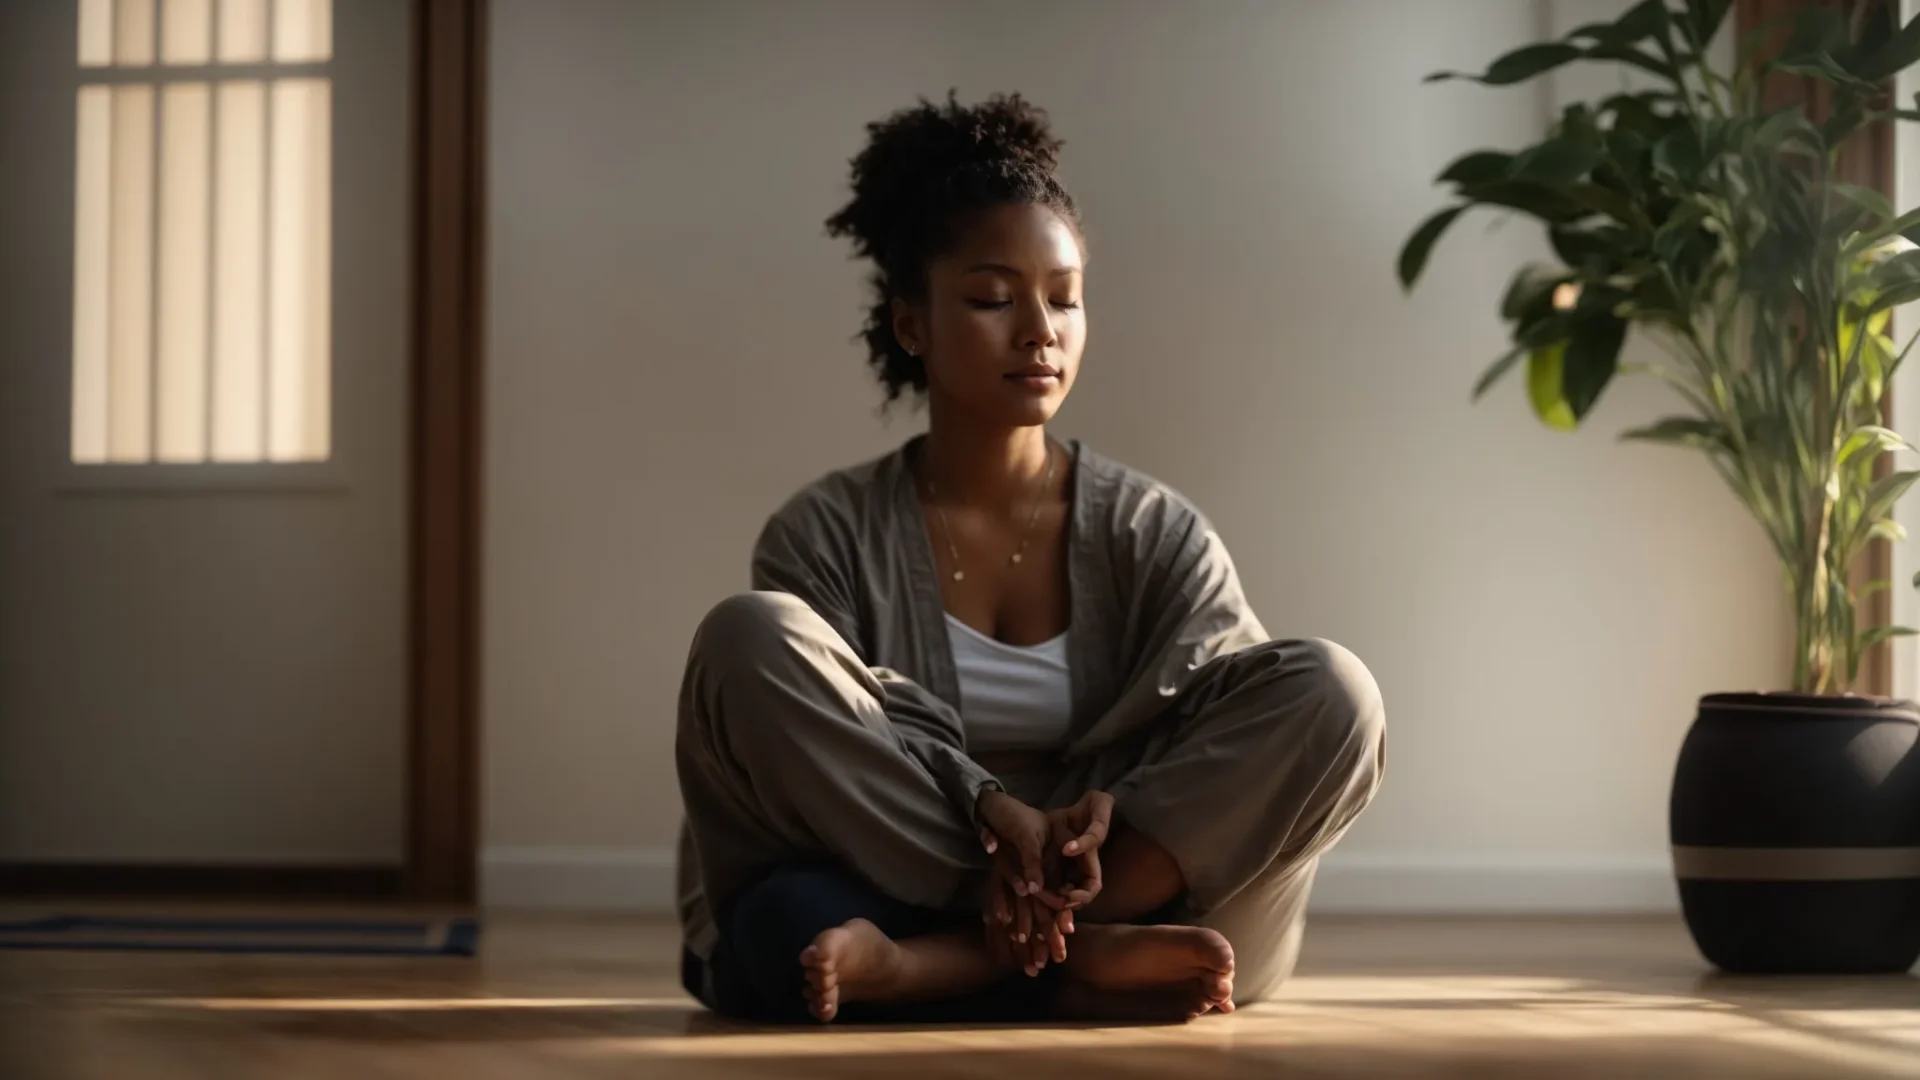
(1154, 595)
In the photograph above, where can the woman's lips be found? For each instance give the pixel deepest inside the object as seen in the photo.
(1039, 378)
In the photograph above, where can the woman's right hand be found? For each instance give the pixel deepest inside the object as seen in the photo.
(1032, 922)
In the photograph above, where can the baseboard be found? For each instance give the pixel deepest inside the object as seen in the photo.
(642, 880)
(48, 879)
(578, 879)
(1390, 884)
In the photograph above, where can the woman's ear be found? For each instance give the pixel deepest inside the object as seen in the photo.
(907, 327)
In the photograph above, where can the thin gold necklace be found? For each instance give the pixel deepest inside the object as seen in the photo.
(946, 531)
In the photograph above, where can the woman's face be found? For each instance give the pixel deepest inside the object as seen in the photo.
(1002, 327)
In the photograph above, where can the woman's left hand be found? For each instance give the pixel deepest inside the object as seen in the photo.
(1080, 830)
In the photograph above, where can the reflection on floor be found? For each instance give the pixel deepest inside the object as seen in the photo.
(558, 997)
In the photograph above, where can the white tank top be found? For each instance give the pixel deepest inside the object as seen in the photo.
(1012, 697)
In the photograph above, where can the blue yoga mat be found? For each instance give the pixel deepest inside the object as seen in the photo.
(315, 937)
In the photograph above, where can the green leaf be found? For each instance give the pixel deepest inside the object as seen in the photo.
(1635, 113)
(1549, 204)
(1592, 357)
(1531, 291)
(1605, 201)
(1894, 297)
(1556, 162)
(1595, 251)
(1848, 117)
(1885, 492)
(1545, 367)
(1642, 21)
(1626, 159)
(1672, 237)
(1870, 237)
(1688, 431)
(1818, 66)
(1787, 125)
(1865, 198)
(1872, 439)
(1680, 154)
(1874, 27)
(1703, 20)
(1878, 634)
(1497, 369)
(1413, 257)
(1633, 57)
(1520, 64)
(1899, 50)
(1477, 167)
(1544, 332)
(1596, 31)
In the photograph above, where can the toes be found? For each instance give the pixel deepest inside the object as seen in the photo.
(823, 1005)
(1218, 951)
(821, 979)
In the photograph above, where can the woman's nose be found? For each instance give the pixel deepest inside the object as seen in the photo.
(1036, 327)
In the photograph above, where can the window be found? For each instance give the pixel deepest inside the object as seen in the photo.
(202, 232)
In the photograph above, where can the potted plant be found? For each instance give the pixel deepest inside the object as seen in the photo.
(1715, 226)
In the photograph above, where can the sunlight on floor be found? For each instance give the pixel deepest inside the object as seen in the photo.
(1461, 1011)
(569, 997)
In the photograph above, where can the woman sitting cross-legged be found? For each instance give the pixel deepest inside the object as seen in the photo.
(997, 735)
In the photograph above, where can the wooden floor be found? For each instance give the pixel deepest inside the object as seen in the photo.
(556, 998)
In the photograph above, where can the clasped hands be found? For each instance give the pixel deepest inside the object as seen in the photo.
(1046, 866)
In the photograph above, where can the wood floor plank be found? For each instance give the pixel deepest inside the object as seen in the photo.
(560, 998)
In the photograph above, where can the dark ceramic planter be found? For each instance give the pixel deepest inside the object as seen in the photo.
(1795, 823)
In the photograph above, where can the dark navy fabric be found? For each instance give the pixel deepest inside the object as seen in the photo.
(755, 971)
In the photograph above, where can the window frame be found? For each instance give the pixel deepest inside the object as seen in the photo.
(66, 476)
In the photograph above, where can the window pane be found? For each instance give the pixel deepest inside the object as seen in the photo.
(91, 258)
(297, 369)
(133, 33)
(302, 30)
(96, 33)
(240, 179)
(130, 243)
(186, 32)
(181, 368)
(243, 31)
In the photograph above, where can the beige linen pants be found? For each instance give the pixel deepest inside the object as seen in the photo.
(785, 754)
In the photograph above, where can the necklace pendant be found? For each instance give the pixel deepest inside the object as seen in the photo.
(959, 575)
(1016, 558)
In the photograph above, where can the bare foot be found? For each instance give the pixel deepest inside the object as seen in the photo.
(851, 962)
(1164, 959)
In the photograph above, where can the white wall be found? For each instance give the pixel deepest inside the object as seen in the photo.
(669, 350)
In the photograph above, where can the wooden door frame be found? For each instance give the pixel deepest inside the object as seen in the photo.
(448, 213)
